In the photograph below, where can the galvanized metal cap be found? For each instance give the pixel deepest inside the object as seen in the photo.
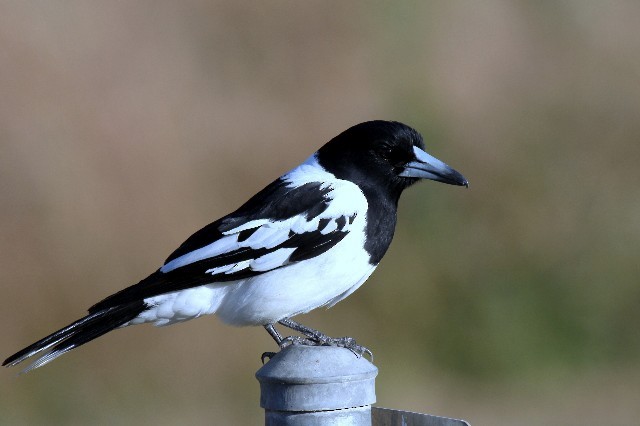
(313, 378)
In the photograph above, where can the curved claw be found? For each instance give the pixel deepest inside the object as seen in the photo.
(350, 343)
(267, 355)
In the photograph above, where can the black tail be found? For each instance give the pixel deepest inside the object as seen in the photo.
(76, 334)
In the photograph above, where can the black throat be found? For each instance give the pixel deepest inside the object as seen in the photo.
(382, 215)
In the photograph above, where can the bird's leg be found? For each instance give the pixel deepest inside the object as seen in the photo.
(311, 333)
(276, 336)
(273, 332)
(285, 341)
(282, 342)
(318, 338)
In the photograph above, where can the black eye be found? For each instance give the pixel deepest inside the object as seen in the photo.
(385, 150)
(392, 155)
(386, 153)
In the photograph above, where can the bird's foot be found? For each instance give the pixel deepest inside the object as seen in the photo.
(320, 339)
(312, 337)
(347, 343)
(296, 340)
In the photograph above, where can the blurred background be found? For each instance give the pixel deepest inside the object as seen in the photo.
(126, 126)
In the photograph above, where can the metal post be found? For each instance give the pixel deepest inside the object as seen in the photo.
(317, 385)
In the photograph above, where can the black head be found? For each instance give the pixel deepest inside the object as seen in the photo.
(386, 154)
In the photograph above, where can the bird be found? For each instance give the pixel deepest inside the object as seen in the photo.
(307, 240)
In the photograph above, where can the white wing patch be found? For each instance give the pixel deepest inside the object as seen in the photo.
(220, 270)
(223, 245)
(239, 266)
(249, 225)
(272, 260)
(268, 235)
(229, 269)
(300, 224)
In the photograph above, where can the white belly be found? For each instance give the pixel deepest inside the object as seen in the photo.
(296, 289)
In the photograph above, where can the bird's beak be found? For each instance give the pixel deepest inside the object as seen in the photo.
(427, 167)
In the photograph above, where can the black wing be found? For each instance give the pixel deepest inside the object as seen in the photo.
(278, 226)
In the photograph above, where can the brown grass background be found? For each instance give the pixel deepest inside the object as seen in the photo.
(125, 126)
